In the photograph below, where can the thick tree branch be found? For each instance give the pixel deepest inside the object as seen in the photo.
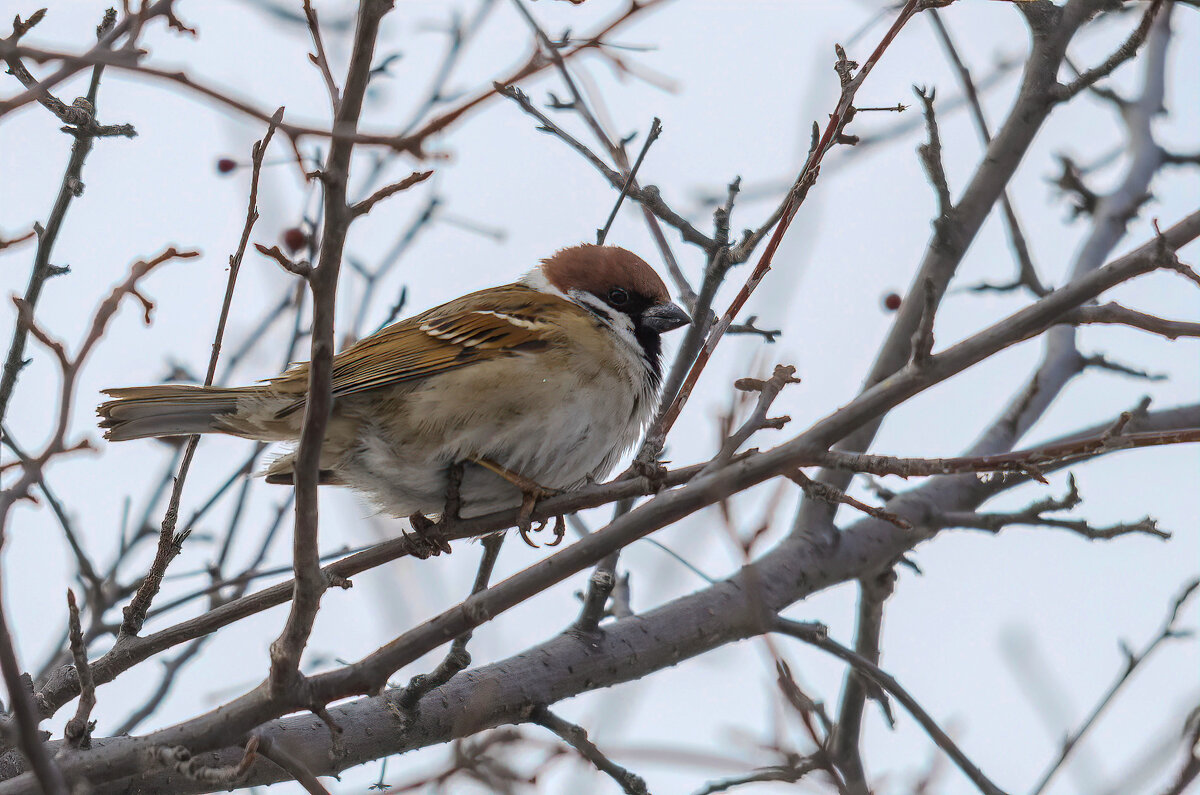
(338, 214)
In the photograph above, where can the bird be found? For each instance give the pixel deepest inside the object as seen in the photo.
(490, 401)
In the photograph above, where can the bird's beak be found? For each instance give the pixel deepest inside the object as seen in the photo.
(664, 317)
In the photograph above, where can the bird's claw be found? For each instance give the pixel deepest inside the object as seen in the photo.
(654, 471)
(426, 538)
(530, 494)
(560, 531)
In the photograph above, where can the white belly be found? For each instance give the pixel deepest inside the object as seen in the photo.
(552, 431)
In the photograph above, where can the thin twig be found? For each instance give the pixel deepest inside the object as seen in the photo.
(457, 659)
(363, 207)
(931, 158)
(1122, 54)
(576, 737)
(294, 766)
(1133, 660)
(876, 674)
(80, 114)
(319, 59)
(651, 137)
(648, 196)
(78, 731)
(1113, 313)
(71, 188)
(873, 593)
(1026, 272)
(170, 544)
(20, 701)
(758, 420)
(789, 774)
(823, 492)
(832, 135)
(412, 142)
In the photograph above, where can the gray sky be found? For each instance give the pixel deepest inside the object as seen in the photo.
(750, 78)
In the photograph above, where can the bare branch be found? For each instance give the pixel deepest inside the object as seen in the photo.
(296, 769)
(1026, 272)
(80, 114)
(71, 188)
(1168, 631)
(170, 544)
(1113, 313)
(647, 196)
(319, 59)
(299, 268)
(576, 737)
(1122, 54)
(823, 492)
(363, 207)
(458, 658)
(47, 775)
(888, 683)
(786, 773)
(1034, 514)
(412, 142)
(768, 391)
(306, 557)
(651, 137)
(833, 134)
(931, 158)
(873, 592)
(78, 731)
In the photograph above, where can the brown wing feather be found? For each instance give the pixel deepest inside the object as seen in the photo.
(484, 325)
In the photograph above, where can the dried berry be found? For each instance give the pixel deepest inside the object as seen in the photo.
(295, 239)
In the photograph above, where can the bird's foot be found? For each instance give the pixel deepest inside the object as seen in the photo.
(654, 471)
(531, 492)
(426, 538)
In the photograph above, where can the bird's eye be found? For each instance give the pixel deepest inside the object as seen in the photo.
(618, 296)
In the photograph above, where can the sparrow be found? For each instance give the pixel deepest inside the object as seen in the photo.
(513, 392)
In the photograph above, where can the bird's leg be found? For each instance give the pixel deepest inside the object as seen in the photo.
(531, 492)
(454, 478)
(430, 540)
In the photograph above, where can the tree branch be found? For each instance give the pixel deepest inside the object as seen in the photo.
(576, 737)
(310, 580)
(887, 682)
(1132, 662)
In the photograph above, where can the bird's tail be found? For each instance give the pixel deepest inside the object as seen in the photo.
(172, 410)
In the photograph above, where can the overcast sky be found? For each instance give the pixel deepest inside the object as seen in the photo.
(748, 80)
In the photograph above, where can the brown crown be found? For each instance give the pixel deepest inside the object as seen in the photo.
(596, 269)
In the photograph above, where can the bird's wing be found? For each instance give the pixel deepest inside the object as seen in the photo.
(495, 323)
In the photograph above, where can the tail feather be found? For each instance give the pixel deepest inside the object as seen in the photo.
(168, 410)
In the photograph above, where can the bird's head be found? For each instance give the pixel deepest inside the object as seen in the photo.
(612, 282)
